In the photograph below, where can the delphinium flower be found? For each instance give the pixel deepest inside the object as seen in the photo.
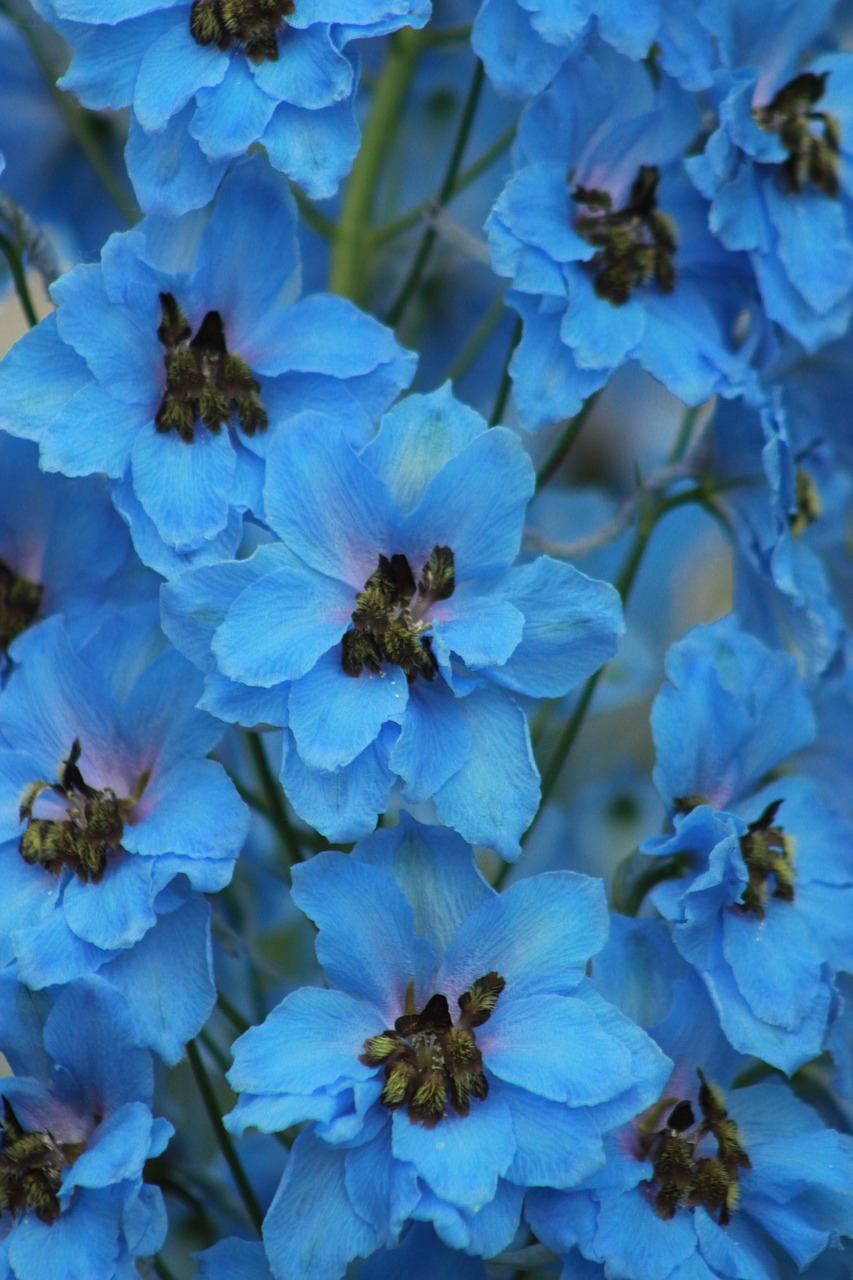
(459, 1055)
(111, 818)
(777, 168)
(170, 365)
(607, 246)
(389, 630)
(208, 79)
(766, 486)
(63, 549)
(711, 1182)
(762, 907)
(76, 1132)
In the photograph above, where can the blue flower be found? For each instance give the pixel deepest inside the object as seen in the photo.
(777, 169)
(109, 812)
(767, 487)
(762, 908)
(524, 43)
(607, 246)
(388, 630)
(459, 1055)
(63, 549)
(170, 365)
(711, 1179)
(206, 83)
(76, 1131)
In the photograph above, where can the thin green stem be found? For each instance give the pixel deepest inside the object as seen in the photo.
(477, 341)
(412, 281)
(685, 433)
(506, 380)
(564, 445)
(274, 797)
(163, 1271)
(406, 221)
(449, 35)
(217, 1054)
(233, 1015)
(223, 1137)
(19, 279)
(352, 253)
(316, 220)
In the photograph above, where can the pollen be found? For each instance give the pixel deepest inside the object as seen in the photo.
(250, 25)
(635, 245)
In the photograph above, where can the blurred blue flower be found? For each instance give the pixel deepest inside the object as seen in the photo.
(76, 1132)
(419, 1111)
(110, 813)
(389, 629)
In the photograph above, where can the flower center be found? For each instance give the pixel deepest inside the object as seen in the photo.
(431, 1061)
(204, 380)
(811, 138)
(252, 25)
(686, 1174)
(635, 244)
(769, 857)
(20, 600)
(31, 1166)
(91, 829)
(809, 506)
(389, 620)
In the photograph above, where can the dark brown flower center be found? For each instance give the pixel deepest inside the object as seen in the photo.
(811, 138)
(687, 1172)
(205, 382)
(31, 1167)
(636, 244)
(432, 1062)
(90, 830)
(20, 601)
(769, 857)
(389, 620)
(252, 25)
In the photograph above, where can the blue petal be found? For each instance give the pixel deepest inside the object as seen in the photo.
(463, 1157)
(343, 804)
(309, 72)
(232, 115)
(366, 943)
(280, 626)
(314, 148)
(91, 433)
(558, 1146)
(116, 912)
(192, 810)
(84, 1241)
(173, 68)
(184, 487)
(493, 797)
(37, 378)
(435, 741)
(335, 716)
(169, 171)
(311, 1229)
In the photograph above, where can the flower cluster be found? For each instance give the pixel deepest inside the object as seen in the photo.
(511, 900)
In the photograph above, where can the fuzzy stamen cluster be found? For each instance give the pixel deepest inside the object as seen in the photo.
(768, 853)
(31, 1167)
(204, 380)
(636, 244)
(90, 831)
(20, 601)
(431, 1061)
(389, 617)
(813, 156)
(251, 25)
(684, 1174)
(809, 506)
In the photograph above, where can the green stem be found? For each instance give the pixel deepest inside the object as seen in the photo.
(411, 219)
(352, 252)
(629, 896)
(566, 442)
(506, 380)
(685, 432)
(477, 341)
(316, 220)
(449, 35)
(223, 1137)
(413, 279)
(274, 797)
(233, 1015)
(163, 1271)
(19, 279)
